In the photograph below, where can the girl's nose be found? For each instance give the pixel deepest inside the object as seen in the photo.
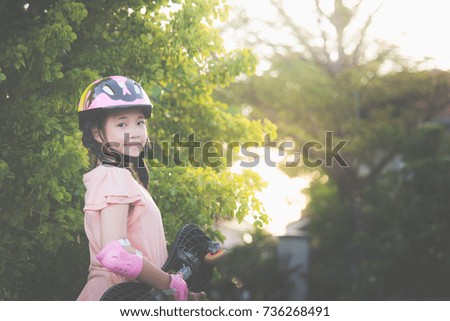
(135, 132)
(135, 135)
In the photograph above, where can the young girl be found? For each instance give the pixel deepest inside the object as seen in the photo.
(122, 222)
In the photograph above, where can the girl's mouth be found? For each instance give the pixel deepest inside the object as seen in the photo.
(133, 144)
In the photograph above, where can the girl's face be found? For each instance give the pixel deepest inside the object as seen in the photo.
(125, 131)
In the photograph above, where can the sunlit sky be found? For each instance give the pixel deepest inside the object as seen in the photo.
(420, 28)
(282, 199)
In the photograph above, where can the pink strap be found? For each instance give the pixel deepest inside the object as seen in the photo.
(179, 286)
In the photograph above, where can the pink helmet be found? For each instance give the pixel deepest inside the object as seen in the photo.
(111, 93)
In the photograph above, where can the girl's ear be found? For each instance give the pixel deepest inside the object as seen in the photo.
(97, 135)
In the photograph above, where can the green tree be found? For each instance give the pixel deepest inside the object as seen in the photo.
(333, 84)
(404, 248)
(49, 52)
(328, 82)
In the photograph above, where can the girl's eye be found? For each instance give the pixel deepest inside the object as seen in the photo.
(141, 122)
(121, 125)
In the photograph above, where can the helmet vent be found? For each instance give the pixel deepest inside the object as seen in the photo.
(108, 90)
(137, 89)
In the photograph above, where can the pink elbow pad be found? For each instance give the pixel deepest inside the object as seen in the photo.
(116, 259)
(179, 287)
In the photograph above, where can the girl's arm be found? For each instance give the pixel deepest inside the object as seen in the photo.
(113, 227)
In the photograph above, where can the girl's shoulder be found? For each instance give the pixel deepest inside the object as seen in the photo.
(107, 172)
(110, 185)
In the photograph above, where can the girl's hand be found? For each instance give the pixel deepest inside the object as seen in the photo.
(179, 285)
(193, 296)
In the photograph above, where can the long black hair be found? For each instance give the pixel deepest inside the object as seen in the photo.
(104, 154)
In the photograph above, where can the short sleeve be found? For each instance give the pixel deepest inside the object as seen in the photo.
(106, 185)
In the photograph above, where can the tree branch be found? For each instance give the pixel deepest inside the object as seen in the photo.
(377, 168)
(301, 34)
(358, 51)
(321, 15)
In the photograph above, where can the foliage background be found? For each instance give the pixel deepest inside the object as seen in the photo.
(379, 226)
(49, 52)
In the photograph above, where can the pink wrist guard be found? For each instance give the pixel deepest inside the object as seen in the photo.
(116, 259)
(178, 288)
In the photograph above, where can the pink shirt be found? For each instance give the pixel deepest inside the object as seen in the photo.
(107, 185)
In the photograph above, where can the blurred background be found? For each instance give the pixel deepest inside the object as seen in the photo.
(362, 86)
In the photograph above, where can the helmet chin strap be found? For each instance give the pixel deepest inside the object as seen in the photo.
(115, 158)
(120, 159)
(133, 163)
